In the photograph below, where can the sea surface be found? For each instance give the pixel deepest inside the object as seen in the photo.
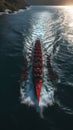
(18, 32)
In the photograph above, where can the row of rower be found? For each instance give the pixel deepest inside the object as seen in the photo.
(37, 60)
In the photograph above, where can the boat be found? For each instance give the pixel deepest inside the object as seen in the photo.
(37, 68)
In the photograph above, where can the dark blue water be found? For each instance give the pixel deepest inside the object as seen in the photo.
(18, 32)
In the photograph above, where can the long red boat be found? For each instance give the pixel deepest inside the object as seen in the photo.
(37, 68)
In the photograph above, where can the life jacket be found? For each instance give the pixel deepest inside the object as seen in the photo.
(38, 59)
(38, 71)
(36, 65)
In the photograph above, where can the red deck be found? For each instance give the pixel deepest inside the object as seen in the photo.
(37, 68)
(38, 86)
